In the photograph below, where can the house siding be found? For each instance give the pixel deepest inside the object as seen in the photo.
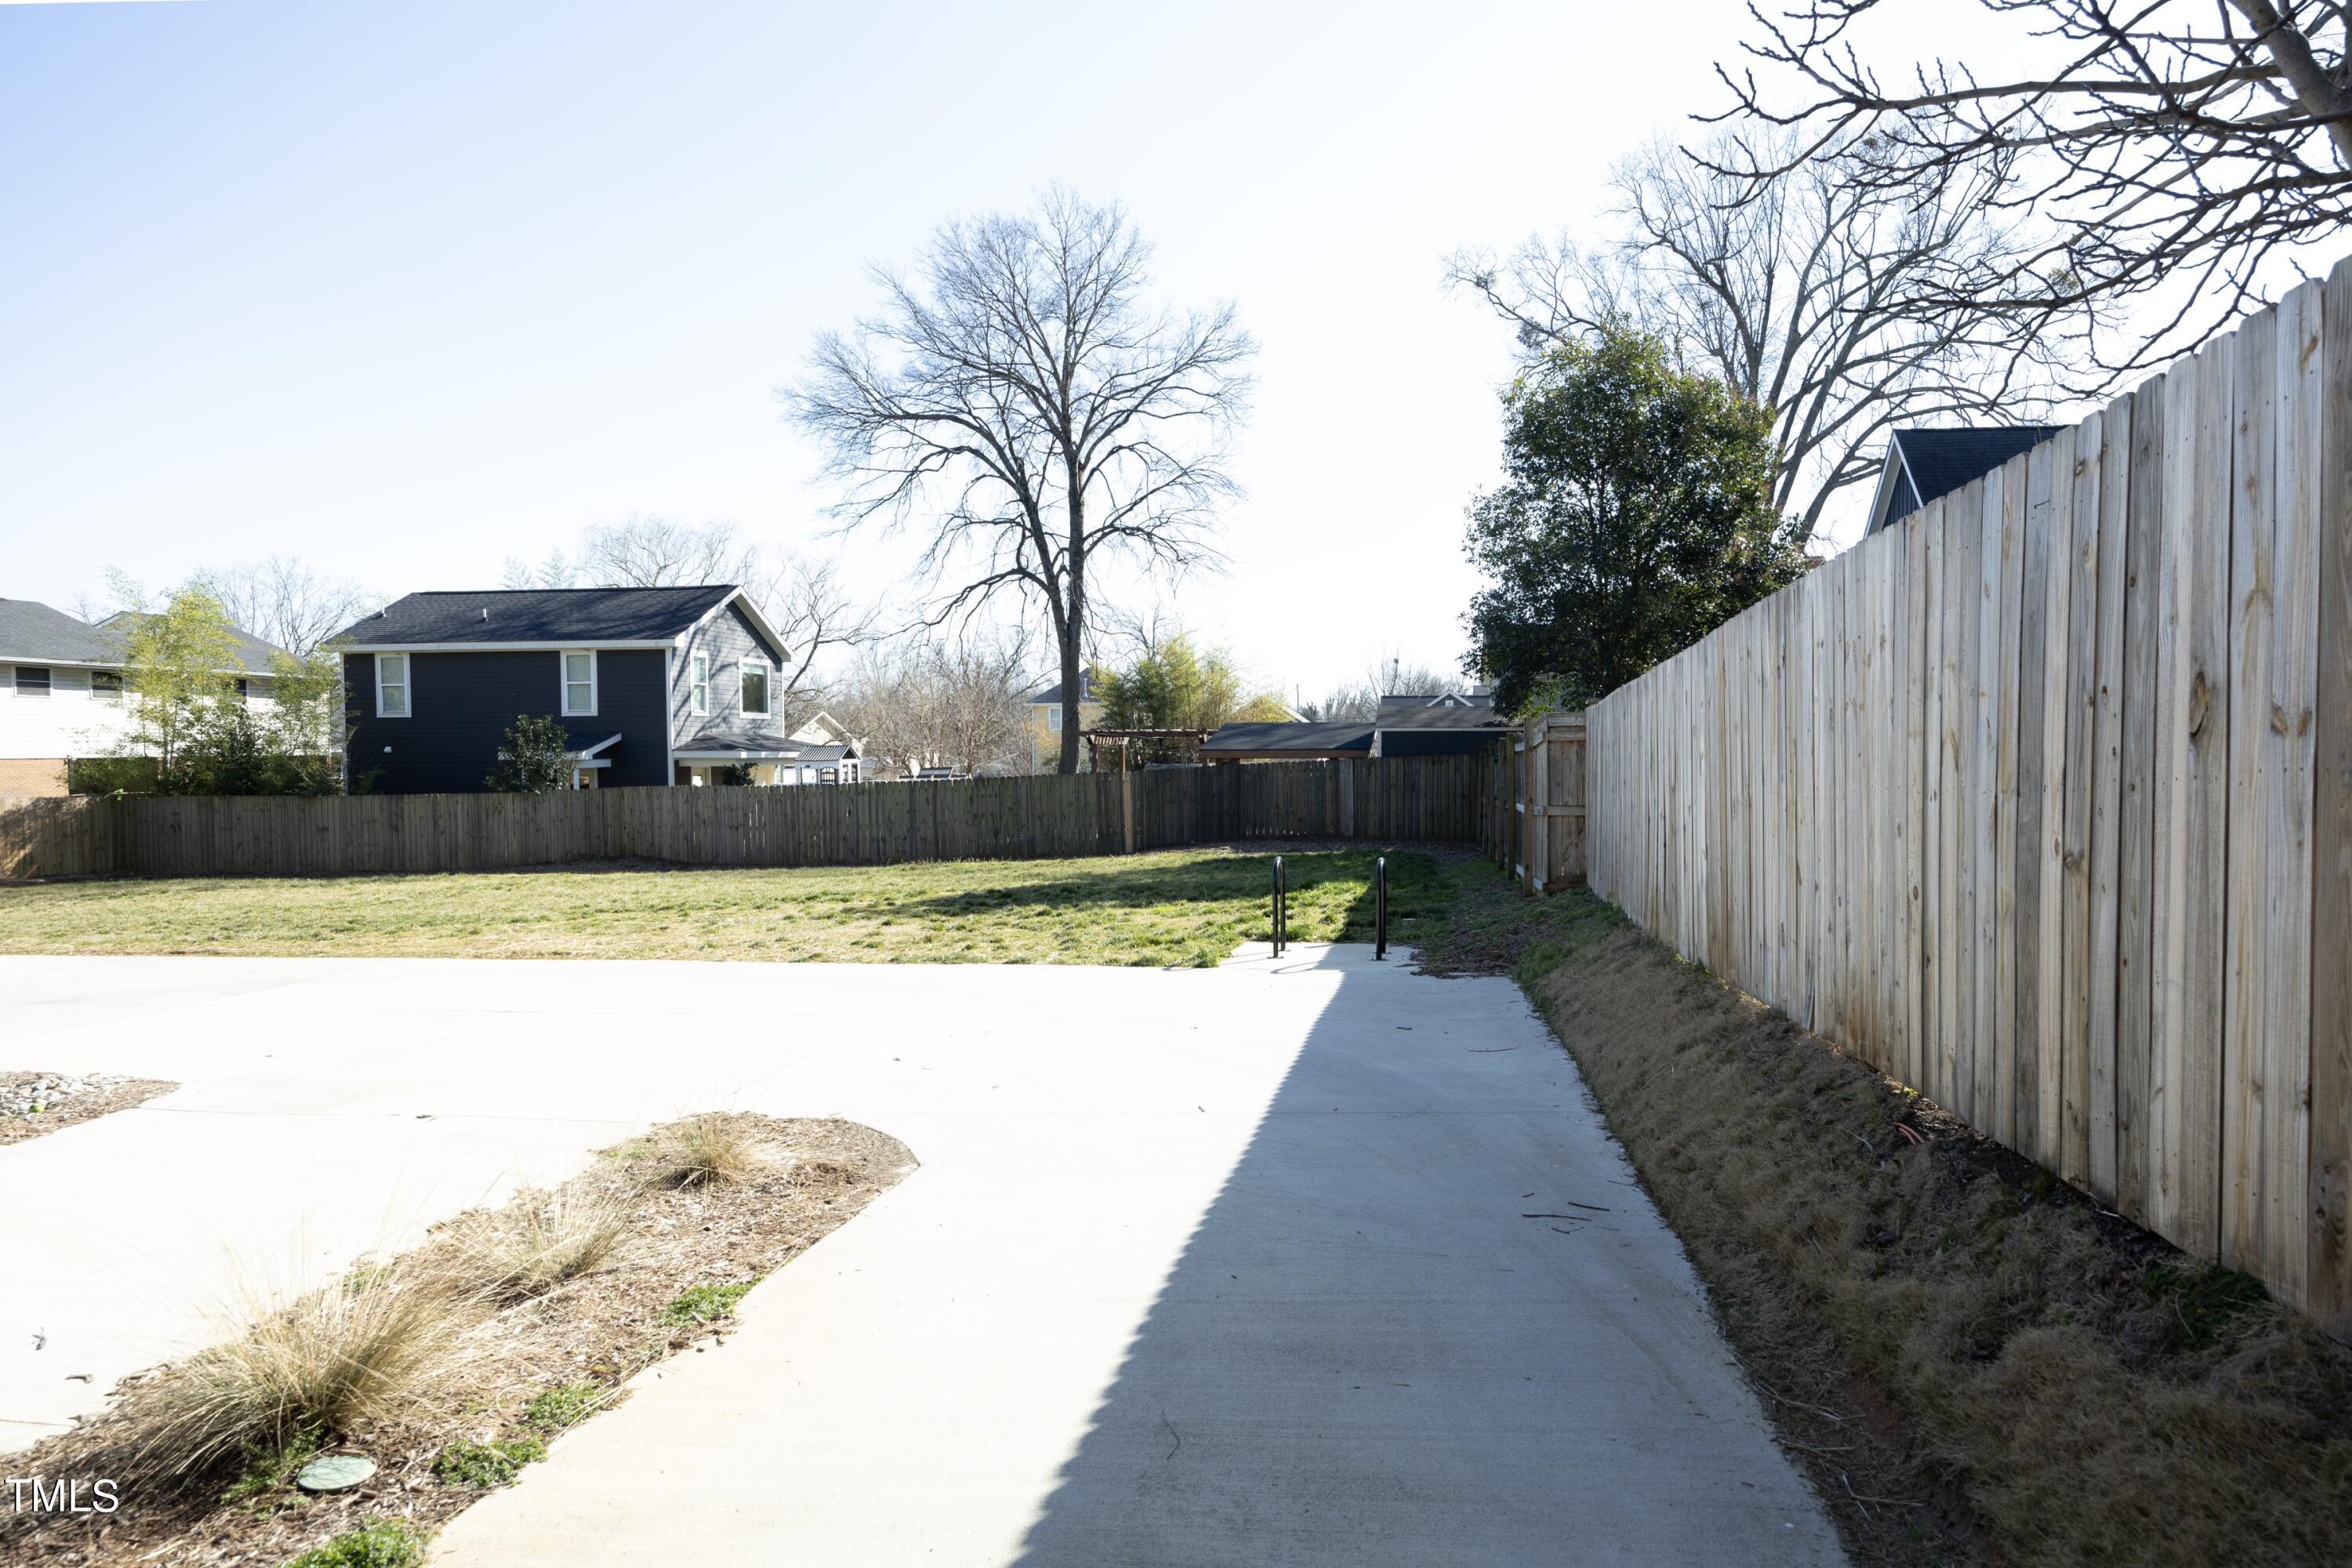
(71, 719)
(69, 722)
(728, 637)
(463, 703)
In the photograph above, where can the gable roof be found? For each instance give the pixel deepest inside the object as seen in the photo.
(763, 745)
(33, 632)
(1455, 712)
(1051, 697)
(253, 655)
(582, 617)
(1936, 462)
(822, 728)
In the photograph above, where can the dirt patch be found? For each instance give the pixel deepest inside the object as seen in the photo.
(1973, 1361)
(33, 1103)
(530, 1368)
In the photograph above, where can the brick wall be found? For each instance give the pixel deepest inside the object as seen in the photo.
(31, 775)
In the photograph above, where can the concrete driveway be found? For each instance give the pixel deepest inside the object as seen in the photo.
(1201, 1268)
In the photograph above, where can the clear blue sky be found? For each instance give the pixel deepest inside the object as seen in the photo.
(409, 288)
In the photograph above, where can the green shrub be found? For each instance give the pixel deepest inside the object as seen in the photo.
(386, 1543)
(105, 776)
(559, 1408)
(706, 1303)
(487, 1464)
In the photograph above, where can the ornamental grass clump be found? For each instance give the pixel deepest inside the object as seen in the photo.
(362, 1349)
(540, 1241)
(708, 1150)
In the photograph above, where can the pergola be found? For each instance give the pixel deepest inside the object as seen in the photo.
(1123, 740)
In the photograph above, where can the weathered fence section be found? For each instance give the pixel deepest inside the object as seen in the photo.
(1392, 800)
(70, 835)
(2041, 801)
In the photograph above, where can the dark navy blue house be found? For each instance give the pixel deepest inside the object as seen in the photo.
(654, 686)
(1432, 724)
(1923, 465)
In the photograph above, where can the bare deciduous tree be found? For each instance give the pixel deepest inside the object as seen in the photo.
(283, 601)
(813, 611)
(1389, 676)
(931, 703)
(657, 553)
(1023, 400)
(1814, 296)
(805, 600)
(2170, 143)
(556, 571)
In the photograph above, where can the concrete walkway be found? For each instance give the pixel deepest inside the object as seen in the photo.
(1224, 1267)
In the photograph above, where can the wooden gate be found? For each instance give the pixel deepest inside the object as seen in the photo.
(1550, 757)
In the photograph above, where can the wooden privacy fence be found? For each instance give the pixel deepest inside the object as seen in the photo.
(2041, 801)
(1393, 800)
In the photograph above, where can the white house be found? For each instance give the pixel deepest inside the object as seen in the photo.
(61, 691)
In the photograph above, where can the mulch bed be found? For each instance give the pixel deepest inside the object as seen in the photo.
(34, 1103)
(597, 1329)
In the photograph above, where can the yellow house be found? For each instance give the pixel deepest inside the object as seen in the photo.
(1045, 722)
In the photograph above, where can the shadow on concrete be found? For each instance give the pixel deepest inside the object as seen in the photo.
(1428, 1320)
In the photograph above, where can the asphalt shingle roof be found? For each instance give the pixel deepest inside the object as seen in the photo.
(765, 741)
(1482, 717)
(29, 630)
(1281, 737)
(540, 616)
(1941, 461)
(252, 653)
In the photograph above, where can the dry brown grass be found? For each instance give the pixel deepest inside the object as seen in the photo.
(1974, 1363)
(357, 1350)
(713, 1148)
(540, 1240)
(352, 1369)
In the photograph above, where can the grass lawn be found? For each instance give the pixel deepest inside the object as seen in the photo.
(1189, 906)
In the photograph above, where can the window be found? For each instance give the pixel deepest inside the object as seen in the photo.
(31, 681)
(1052, 717)
(244, 691)
(755, 686)
(700, 701)
(580, 683)
(392, 686)
(106, 685)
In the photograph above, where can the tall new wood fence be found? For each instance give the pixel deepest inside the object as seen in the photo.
(1393, 800)
(2041, 801)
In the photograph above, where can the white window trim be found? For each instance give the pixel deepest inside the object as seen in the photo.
(407, 684)
(767, 688)
(1054, 719)
(698, 684)
(563, 682)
